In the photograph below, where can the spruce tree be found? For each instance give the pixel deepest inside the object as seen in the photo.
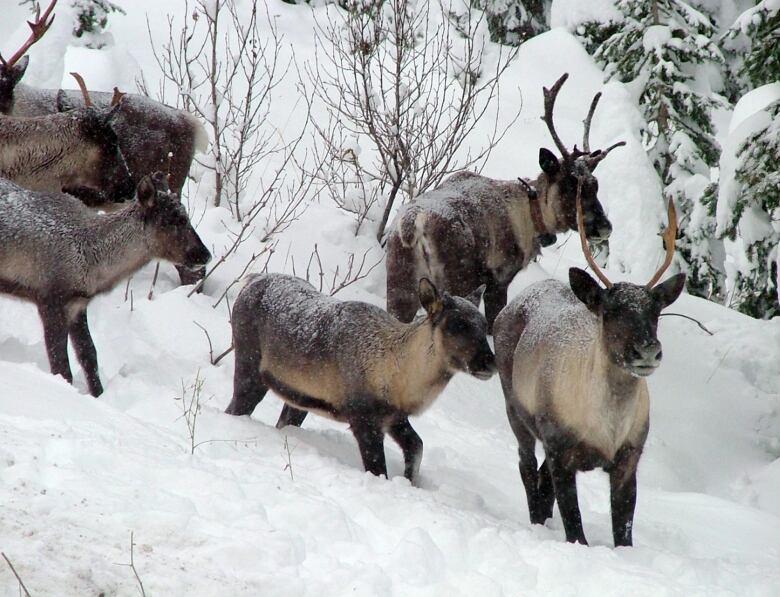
(753, 221)
(750, 214)
(657, 47)
(511, 22)
(759, 30)
(92, 19)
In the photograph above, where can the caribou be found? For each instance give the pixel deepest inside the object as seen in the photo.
(59, 254)
(352, 361)
(151, 135)
(75, 152)
(573, 362)
(474, 230)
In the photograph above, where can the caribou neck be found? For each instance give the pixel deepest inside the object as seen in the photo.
(32, 143)
(548, 200)
(117, 246)
(622, 385)
(421, 371)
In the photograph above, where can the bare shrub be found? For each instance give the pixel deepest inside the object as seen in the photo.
(410, 79)
(224, 60)
(191, 405)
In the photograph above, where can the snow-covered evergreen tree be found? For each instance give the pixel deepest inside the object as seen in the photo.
(758, 28)
(752, 221)
(92, 20)
(657, 48)
(512, 22)
(749, 210)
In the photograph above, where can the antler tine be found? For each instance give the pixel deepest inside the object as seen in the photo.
(39, 27)
(117, 97)
(584, 241)
(669, 236)
(550, 96)
(587, 121)
(596, 157)
(83, 87)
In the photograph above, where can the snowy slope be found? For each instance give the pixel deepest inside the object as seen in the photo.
(245, 515)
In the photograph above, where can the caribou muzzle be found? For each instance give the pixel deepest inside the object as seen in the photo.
(483, 364)
(197, 257)
(643, 359)
(597, 228)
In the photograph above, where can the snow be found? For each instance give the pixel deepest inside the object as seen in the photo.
(748, 118)
(257, 511)
(656, 37)
(753, 101)
(571, 13)
(753, 15)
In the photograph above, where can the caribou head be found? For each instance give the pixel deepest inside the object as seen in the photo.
(629, 312)
(563, 177)
(12, 70)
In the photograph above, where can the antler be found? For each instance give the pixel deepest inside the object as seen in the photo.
(39, 27)
(83, 87)
(117, 97)
(584, 242)
(587, 121)
(550, 96)
(669, 236)
(594, 158)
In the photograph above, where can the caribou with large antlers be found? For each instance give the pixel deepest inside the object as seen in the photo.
(475, 230)
(573, 362)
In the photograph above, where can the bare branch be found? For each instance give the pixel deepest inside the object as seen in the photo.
(19, 578)
(394, 78)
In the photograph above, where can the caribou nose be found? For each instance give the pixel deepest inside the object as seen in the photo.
(198, 257)
(598, 229)
(648, 352)
(483, 365)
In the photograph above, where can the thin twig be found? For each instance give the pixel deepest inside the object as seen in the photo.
(211, 346)
(720, 362)
(222, 355)
(154, 281)
(288, 466)
(16, 574)
(696, 321)
(251, 440)
(131, 565)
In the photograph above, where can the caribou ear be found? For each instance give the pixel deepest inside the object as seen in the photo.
(111, 112)
(18, 69)
(476, 296)
(548, 162)
(669, 290)
(586, 289)
(146, 192)
(430, 298)
(160, 181)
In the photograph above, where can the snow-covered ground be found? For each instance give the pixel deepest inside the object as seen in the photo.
(256, 511)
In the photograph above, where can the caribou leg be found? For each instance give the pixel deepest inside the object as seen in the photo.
(55, 334)
(85, 351)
